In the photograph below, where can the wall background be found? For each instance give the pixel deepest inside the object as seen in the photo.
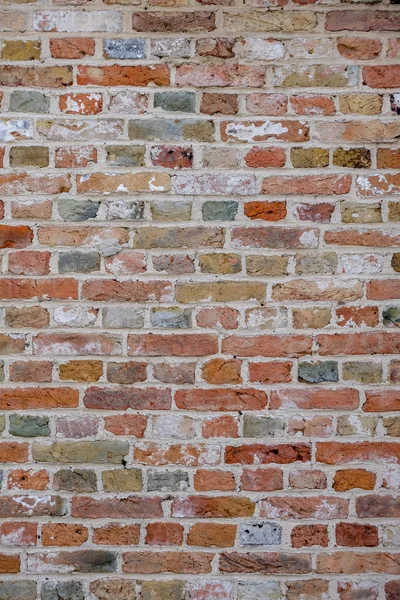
(199, 300)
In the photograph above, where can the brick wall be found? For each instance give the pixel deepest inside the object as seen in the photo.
(198, 300)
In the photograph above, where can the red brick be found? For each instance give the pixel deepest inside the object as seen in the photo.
(71, 344)
(358, 343)
(383, 289)
(233, 75)
(358, 562)
(42, 77)
(358, 48)
(359, 237)
(382, 77)
(392, 589)
(72, 48)
(314, 399)
(317, 213)
(81, 104)
(132, 425)
(224, 426)
(227, 318)
(307, 185)
(38, 183)
(295, 507)
(31, 371)
(13, 452)
(150, 453)
(261, 480)
(271, 372)
(212, 507)
(261, 158)
(181, 344)
(131, 507)
(221, 399)
(18, 534)
(19, 236)
(167, 562)
(23, 479)
(172, 157)
(374, 507)
(265, 454)
(267, 345)
(221, 481)
(304, 536)
(122, 398)
(357, 316)
(32, 398)
(337, 453)
(349, 479)
(358, 20)
(313, 105)
(114, 534)
(9, 563)
(164, 534)
(265, 211)
(75, 156)
(64, 534)
(40, 289)
(382, 401)
(174, 21)
(121, 75)
(356, 534)
(29, 263)
(212, 534)
(273, 105)
(265, 563)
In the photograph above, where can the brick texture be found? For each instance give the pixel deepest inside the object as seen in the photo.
(199, 300)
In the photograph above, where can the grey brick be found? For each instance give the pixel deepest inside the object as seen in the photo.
(77, 480)
(225, 210)
(78, 262)
(125, 156)
(123, 317)
(175, 101)
(173, 47)
(128, 49)
(29, 425)
(262, 426)
(174, 318)
(62, 590)
(167, 481)
(18, 590)
(318, 372)
(260, 534)
(29, 102)
(77, 210)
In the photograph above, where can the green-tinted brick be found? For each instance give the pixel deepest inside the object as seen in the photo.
(175, 101)
(220, 211)
(29, 426)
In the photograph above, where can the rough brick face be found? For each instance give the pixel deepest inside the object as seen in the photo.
(199, 300)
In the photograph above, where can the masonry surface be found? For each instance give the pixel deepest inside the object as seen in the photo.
(199, 300)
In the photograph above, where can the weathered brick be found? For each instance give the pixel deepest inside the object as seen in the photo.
(81, 452)
(265, 563)
(72, 48)
(121, 75)
(185, 22)
(20, 50)
(71, 21)
(170, 562)
(199, 298)
(50, 77)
